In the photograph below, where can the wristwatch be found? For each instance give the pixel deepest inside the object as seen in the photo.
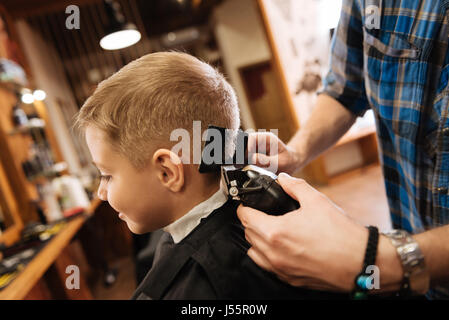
(416, 278)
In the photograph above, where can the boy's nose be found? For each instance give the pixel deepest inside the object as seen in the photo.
(102, 193)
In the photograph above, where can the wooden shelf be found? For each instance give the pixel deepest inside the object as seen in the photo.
(367, 140)
(36, 268)
(24, 129)
(351, 174)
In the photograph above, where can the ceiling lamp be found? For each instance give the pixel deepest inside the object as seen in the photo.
(119, 33)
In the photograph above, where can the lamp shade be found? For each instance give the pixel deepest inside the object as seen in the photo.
(121, 38)
(119, 34)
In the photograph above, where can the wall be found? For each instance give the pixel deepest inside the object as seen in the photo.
(302, 45)
(302, 41)
(242, 42)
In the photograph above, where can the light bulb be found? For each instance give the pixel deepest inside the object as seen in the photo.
(120, 39)
(39, 95)
(27, 98)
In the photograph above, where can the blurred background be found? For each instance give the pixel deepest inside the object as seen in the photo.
(53, 53)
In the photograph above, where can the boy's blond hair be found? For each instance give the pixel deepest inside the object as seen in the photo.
(140, 105)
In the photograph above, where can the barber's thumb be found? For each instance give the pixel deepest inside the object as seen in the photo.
(293, 186)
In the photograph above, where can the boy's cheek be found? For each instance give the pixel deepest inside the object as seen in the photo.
(122, 200)
(113, 201)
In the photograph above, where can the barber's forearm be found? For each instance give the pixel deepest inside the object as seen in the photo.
(328, 122)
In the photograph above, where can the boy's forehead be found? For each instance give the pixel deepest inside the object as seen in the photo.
(100, 149)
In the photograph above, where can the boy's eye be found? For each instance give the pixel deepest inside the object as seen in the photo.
(105, 178)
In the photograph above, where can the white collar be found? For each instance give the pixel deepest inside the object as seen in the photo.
(180, 228)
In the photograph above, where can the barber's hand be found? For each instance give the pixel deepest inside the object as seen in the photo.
(316, 246)
(274, 151)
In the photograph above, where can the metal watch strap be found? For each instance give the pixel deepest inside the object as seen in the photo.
(416, 277)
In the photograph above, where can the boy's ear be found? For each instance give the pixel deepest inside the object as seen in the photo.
(169, 169)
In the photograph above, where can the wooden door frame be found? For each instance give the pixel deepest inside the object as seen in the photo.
(315, 171)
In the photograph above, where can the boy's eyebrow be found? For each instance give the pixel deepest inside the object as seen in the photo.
(99, 165)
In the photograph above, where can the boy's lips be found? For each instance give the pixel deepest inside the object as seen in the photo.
(121, 215)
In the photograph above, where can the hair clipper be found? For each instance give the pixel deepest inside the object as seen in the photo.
(257, 188)
(253, 186)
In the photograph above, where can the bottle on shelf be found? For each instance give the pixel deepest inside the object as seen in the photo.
(40, 162)
(52, 208)
(71, 193)
(19, 116)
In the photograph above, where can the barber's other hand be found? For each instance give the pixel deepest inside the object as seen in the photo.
(316, 246)
(266, 149)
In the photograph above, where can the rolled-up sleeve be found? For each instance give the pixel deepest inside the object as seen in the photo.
(345, 79)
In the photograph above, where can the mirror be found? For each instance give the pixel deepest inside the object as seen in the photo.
(9, 214)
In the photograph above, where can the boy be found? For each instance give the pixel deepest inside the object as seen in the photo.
(128, 121)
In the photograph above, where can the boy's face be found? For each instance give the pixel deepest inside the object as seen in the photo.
(135, 195)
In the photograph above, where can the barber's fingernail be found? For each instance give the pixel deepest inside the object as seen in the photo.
(283, 175)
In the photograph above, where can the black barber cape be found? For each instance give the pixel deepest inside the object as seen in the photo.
(212, 263)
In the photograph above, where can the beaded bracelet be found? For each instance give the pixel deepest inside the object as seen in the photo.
(361, 289)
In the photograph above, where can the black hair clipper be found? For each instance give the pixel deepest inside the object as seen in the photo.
(257, 188)
(253, 186)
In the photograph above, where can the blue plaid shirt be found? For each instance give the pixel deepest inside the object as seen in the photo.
(401, 72)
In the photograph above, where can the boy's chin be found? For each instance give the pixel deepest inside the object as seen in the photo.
(136, 229)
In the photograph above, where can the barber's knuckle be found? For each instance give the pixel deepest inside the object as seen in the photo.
(277, 262)
(274, 237)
